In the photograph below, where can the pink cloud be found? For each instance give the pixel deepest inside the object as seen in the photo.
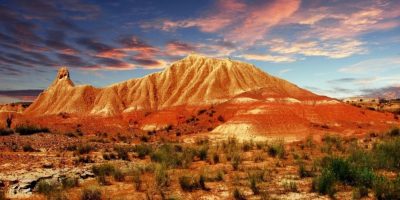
(113, 53)
(261, 18)
(236, 20)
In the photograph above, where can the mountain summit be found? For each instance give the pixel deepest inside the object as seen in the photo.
(248, 103)
(193, 81)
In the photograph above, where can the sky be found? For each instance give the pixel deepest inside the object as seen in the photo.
(337, 48)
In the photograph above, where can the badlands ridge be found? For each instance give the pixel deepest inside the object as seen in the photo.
(250, 101)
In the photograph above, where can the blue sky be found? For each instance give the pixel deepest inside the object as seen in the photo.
(337, 48)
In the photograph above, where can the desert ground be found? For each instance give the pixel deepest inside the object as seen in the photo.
(191, 163)
(244, 134)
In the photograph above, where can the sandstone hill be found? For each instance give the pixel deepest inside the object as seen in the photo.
(247, 101)
(195, 80)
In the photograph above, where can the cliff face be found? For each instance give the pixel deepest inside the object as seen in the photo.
(195, 80)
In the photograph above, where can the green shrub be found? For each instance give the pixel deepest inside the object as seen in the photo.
(171, 156)
(290, 186)
(218, 176)
(394, 132)
(236, 160)
(247, 146)
(325, 183)
(2, 195)
(360, 192)
(122, 152)
(143, 150)
(202, 153)
(6, 131)
(386, 189)
(161, 175)
(215, 158)
(103, 169)
(84, 149)
(333, 140)
(237, 195)
(118, 175)
(28, 148)
(30, 129)
(69, 182)
(387, 154)
(253, 185)
(202, 182)
(102, 180)
(303, 172)
(91, 194)
(277, 149)
(189, 183)
(136, 177)
(165, 155)
(47, 187)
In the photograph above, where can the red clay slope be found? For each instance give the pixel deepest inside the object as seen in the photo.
(251, 101)
(195, 80)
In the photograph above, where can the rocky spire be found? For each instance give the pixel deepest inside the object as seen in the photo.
(63, 77)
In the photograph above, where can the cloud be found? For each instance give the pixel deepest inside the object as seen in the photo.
(284, 71)
(342, 80)
(133, 43)
(372, 65)
(221, 16)
(71, 60)
(179, 48)
(268, 58)
(236, 20)
(261, 18)
(111, 64)
(93, 45)
(332, 49)
(18, 95)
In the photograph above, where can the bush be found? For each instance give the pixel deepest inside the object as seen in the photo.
(387, 154)
(386, 189)
(28, 148)
(236, 160)
(170, 156)
(394, 132)
(84, 149)
(325, 183)
(360, 192)
(202, 153)
(290, 186)
(47, 187)
(2, 195)
(237, 195)
(161, 174)
(69, 182)
(6, 131)
(253, 185)
(189, 183)
(30, 129)
(103, 169)
(277, 149)
(143, 150)
(215, 158)
(91, 194)
(348, 173)
(118, 175)
(136, 176)
(247, 146)
(122, 152)
(303, 172)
